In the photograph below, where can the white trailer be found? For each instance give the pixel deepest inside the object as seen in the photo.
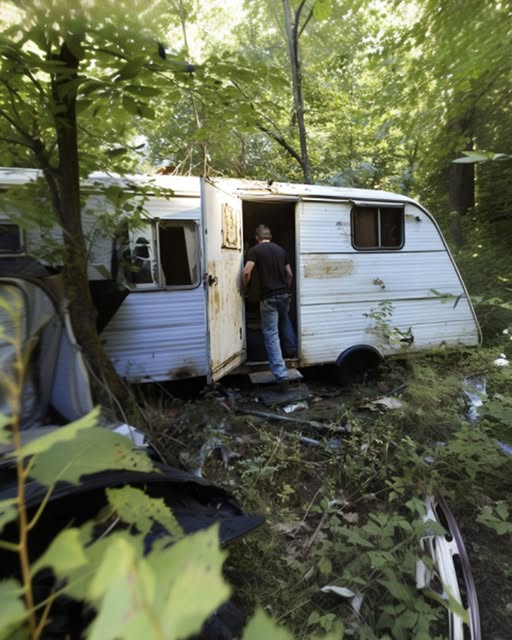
(374, 276)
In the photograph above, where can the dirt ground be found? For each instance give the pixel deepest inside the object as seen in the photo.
(277, 457)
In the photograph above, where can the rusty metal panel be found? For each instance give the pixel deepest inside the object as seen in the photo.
(363, 277)
(231, 227)
(223, 274)
(159, 335)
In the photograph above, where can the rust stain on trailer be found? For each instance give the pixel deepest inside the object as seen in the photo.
(183, 372)
(323, 267)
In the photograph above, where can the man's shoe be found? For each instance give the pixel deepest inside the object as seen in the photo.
(283, 386)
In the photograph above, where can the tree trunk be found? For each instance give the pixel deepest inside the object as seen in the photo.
(291, 27)
(461, 181)
(64, 182)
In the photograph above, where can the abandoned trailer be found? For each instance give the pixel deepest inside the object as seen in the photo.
(374, 275)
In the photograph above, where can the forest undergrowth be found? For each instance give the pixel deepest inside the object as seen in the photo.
(345, 516)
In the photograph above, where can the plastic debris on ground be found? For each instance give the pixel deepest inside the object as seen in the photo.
(389, 404)
(133, 434)
(356, 599)
(502, 361)
(298, 406)
(476, 394)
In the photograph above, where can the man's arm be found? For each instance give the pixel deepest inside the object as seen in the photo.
(289, 275)
(246, 275)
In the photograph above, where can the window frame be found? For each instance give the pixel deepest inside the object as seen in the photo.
(157, 272)
(197, 253)
(21, 239)
(378, 206)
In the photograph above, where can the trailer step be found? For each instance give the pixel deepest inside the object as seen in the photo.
(266, 377)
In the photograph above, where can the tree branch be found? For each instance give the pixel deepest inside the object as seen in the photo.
(305, 24)
(15, 125)
(281, 141)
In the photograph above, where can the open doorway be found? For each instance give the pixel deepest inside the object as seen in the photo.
(280, 217)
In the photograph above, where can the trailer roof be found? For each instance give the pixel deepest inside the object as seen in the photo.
(190, 185)
(316, 191)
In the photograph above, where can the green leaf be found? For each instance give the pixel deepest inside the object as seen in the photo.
(396, 588)
(131, 105)
(262, 626)
(194, 561)
(74, 43)
(133, 506)
(8, 512)
(146, 111)
(80, 578)
(63, 434)
(64, 554)
(175, 588)
(471, 157)
(130, 69)
(140, 90)
(124, 588)
(92, 450)
(12, 610)
(5, 431)
(456, 607)
(83, 104)
(322, 9)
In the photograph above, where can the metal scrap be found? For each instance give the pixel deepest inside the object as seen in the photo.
(211, 445)
(310, 423)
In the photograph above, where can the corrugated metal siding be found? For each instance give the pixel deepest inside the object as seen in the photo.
(159, 335)
(325, 228)
(175, 207)
(378, 276)
(338, 285)
(181, 208)
(327, 330)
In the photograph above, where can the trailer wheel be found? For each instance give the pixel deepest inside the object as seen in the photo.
(355, 363)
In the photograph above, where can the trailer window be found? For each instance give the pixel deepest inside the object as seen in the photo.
(179, 254)
(377, 227)
(10, 238)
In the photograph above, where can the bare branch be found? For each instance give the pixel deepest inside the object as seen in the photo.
(304, 24)
(281, 141)
(15, 125)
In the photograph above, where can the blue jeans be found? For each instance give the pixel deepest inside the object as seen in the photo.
(275, 321)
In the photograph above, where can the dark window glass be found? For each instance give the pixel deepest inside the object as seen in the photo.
(10, 237)
(178, 253)
(365, 227)
(391, 226)
(378, 227)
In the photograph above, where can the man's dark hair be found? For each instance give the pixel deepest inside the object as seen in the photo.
(263, 232)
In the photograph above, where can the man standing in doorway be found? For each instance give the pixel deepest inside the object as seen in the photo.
(276, 275)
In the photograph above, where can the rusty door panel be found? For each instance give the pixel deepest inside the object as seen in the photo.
(222, 219)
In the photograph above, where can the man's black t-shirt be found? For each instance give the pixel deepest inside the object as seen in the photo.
(270, 260)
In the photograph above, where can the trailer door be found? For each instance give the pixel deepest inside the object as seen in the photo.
(222, 222)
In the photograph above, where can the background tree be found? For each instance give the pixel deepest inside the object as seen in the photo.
(74, 79)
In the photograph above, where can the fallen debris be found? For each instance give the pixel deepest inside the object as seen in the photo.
(387, 403)
(211, 445)
(356, 599)
(502, 361)
(273, 396)
(310, 423)
(298, 406)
